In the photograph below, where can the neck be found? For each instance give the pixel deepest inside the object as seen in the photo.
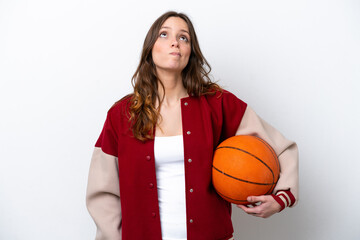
(174, 88)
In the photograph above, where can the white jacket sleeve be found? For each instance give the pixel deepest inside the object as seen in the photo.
(103, 195)
(285, 149)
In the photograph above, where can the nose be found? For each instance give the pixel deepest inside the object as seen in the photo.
(175, 43)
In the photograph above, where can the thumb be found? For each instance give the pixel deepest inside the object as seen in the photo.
(254, 199)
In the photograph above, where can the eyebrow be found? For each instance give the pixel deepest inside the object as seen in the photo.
(182, 30)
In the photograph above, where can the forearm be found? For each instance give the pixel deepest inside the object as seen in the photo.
(103, 195)
(285, 149)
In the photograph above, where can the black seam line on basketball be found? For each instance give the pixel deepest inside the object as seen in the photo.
(269, 191)
(230, 198)
(241, 150)
(242, 180)
(271, 150)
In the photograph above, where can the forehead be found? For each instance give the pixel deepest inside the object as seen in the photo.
(175, 23)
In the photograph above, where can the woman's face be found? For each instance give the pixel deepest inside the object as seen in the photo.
(172, 49)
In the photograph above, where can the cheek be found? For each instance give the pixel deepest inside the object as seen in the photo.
(156, 52)
(187, 53)
(186, 50)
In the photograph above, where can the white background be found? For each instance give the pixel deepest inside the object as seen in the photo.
(64, 63)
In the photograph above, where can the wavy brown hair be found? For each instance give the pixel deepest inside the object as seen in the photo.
(195, 76)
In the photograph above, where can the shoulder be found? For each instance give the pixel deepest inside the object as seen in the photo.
(224, 97)
(121, 107)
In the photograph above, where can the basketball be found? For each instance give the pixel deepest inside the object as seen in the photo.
(244, 166)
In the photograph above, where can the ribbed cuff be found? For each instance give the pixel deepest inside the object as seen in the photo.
(285, 198)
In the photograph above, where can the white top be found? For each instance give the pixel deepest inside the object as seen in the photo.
(170, 176)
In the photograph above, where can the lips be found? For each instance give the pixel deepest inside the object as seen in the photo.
(175, 54)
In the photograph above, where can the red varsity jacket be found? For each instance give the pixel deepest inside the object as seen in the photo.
(206, 121)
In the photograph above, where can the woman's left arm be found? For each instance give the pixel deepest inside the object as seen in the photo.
(286, 190)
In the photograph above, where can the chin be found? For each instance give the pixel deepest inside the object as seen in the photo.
(172, 68)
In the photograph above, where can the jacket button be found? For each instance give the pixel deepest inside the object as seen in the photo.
(191, 190)
(189, 160)
(186, 104)
(151, 185)
(191, 221)
(188, 132)
(153, 214)
(148, 158)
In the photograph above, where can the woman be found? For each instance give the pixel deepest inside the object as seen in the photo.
(150, 175)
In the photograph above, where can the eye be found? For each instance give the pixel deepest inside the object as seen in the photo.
(163, 34)
(184, 38)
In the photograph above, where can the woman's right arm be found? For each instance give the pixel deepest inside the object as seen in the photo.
(103, 195)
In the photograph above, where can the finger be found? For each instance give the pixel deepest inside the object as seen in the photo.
(247, 205)
(255, 199)
(252, 211)
(244, 208)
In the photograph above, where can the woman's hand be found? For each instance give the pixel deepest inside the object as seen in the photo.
(264, 206)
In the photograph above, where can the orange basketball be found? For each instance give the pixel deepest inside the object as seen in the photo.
(244, 166)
